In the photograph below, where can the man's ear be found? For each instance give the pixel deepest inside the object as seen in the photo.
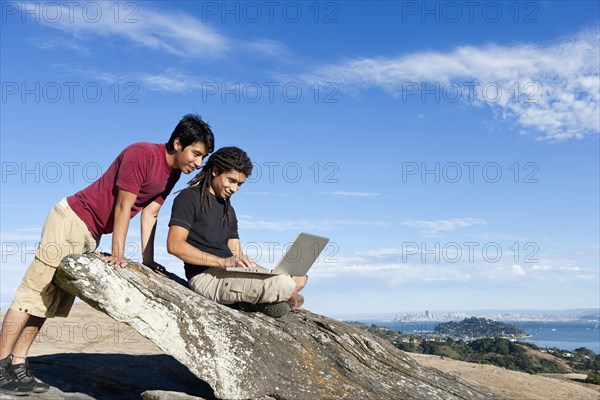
(177, 144)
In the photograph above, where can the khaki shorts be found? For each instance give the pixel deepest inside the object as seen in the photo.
(227, 287)
(63, 234)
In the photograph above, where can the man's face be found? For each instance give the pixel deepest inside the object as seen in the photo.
(225, 184)
(190, 158)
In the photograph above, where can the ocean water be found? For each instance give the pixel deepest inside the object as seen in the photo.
(564, 335)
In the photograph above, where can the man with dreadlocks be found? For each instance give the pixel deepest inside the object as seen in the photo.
(203, 233)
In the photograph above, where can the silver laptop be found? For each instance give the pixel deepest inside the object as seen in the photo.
(298, 258)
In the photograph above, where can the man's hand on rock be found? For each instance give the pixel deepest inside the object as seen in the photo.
(156, 267)
(115, 261)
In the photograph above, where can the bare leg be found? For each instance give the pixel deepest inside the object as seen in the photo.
(12, 327)
(19, 329)
(296, 300)
(32, 328)
(300, 282)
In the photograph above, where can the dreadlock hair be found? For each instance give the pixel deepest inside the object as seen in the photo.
(223, 160)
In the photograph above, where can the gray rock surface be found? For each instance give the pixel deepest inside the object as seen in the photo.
(249, 356)
(165, 395)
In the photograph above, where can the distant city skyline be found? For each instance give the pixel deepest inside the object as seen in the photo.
(500, 315)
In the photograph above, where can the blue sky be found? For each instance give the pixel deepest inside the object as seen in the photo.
(449, 149)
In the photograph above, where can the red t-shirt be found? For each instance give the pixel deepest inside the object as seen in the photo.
(141, 169)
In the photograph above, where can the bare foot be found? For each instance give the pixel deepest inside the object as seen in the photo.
(296, 301)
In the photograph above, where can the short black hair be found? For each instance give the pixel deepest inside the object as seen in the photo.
(192, 129)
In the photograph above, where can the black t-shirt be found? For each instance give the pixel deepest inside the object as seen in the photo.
(208, 231)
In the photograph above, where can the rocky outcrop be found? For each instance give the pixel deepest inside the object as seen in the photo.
(248, 356)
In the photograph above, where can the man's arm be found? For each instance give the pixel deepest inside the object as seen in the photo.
(180, 248)
(235, 245)
(125, 201)
(148, 219)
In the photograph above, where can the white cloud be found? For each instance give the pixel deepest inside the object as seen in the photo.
(352, 194)
(540, 268)
(249, 222)
(385, 252)
(518, 270)
(558, 85)
(266, 47)
(557, 268)
(22, 234)
(356, 269)
(550, 270)
(505, 237)
(276, 194)
(392, 273)
(481, 261)
(49, 44)
(174, 81)
(435, 226)
(171, 82)
(174, 32)
(389, 267)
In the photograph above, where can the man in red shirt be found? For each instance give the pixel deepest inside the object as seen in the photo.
(139, 179)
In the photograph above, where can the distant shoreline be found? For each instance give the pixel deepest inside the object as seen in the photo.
(578, 314)
(539, 333)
